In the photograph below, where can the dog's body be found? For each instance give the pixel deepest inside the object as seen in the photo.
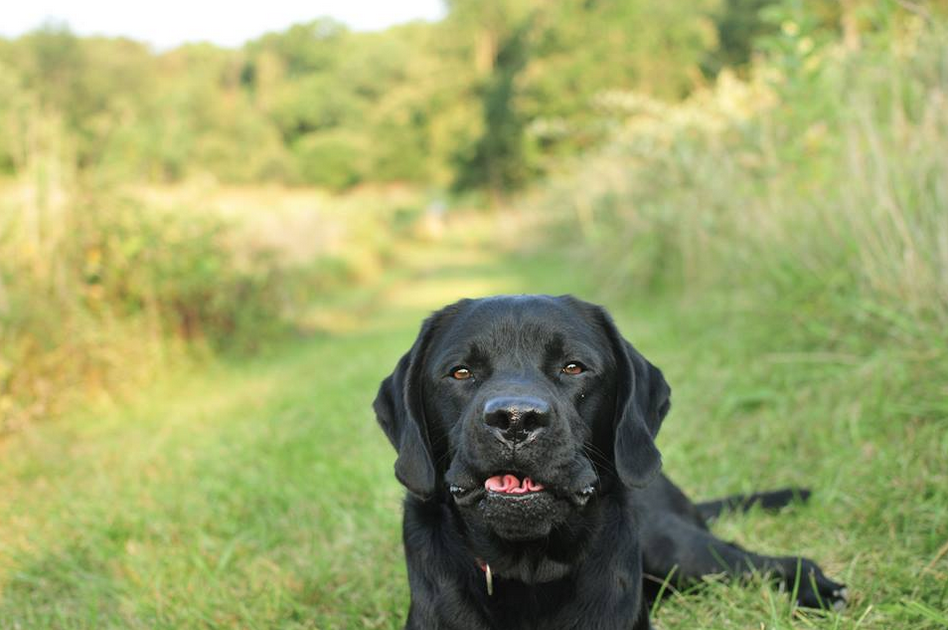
(525, 434)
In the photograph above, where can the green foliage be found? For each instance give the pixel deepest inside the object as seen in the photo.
(494, 95)
(803, 196)
(310, 48)
(533, 69)
(177, 267)
(334, 160)
(548, 65)
(740, 25)
(498, 162)
(104, 276)
(103, 286)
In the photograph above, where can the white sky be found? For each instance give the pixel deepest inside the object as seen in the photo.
(167, 23)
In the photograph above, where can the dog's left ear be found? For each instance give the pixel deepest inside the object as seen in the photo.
(642, 401)
(400, 413)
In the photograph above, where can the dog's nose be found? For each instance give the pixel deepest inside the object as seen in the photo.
(516, 419)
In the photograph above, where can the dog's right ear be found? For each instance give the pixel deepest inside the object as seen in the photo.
(642, 401)
(400, 412)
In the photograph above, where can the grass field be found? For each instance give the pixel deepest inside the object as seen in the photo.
(259, 494)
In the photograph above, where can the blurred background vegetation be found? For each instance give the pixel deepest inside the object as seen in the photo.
(690, 135)
(778, 166)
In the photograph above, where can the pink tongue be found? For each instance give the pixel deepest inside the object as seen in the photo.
(509, 484)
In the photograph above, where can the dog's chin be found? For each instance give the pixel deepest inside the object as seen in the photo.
(520, 516)
(523, 517)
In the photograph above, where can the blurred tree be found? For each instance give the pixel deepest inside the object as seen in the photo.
(305, 48)
(15, 103)
(491, 96)
(332, 159)
(52, 62)
(497, 160)
(739, 24)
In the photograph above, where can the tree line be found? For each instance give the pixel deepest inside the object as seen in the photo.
(487, 98)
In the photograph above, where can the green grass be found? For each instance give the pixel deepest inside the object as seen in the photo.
(260, 495)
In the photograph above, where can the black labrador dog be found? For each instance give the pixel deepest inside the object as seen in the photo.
(525, 430)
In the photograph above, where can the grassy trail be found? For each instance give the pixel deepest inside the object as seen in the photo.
(260, 494)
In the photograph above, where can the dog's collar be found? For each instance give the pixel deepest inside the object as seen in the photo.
(488, 575)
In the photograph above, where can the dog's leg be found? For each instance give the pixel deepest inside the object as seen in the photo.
(772, 500)
(679, 549)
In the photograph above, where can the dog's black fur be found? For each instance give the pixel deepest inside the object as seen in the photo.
(485, 391)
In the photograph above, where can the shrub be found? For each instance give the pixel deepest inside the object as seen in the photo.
(98, 288)
(330, 159)
(828, 215)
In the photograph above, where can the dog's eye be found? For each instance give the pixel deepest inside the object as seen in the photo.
(573, 368)
(461, 373)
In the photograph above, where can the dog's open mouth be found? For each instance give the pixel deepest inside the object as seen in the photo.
(516, 505)
(511, 484)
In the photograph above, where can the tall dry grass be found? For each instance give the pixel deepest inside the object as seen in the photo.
(817, 194)
(104, 284)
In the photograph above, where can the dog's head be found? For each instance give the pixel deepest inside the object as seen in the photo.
(520, 410)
